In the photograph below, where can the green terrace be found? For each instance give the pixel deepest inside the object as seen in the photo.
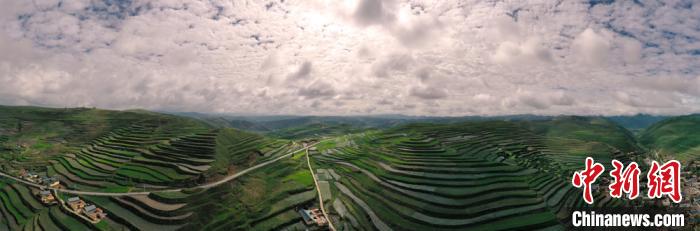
(150, 152)
(139, 154)
(266, 199)
(486, 175)
(148, 156)
(473, 176)
(22, 210)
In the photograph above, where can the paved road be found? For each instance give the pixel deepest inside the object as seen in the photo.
(318, 190)
(204, 186)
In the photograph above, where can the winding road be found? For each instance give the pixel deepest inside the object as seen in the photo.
(318, 190)
(204, 186)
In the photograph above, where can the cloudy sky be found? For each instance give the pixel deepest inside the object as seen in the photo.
(415, 57)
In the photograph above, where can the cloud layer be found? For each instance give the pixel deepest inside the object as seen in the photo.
(356, 57)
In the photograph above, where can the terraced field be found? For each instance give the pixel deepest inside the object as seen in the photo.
(674, 138)
(473, 176)
(151, 212)
(154, 211)
(266, 199)
(136, 157)
(487, 175)
(146, 151)
(20, 210)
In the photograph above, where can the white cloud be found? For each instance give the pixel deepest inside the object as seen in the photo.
(317, 89)
(303, 72)
(483, 97)
(370, 12)
(525, 53)
(592, 47)
(392, 63)
(428, 92)
(646, 100)
(682, 85)
(562, 99)
(417, 57)
(631, 50)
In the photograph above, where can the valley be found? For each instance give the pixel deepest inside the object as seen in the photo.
(150, 171)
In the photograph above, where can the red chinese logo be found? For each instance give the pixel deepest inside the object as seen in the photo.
(662, 180)
(665, 180)
(586, 177)
(624, 181)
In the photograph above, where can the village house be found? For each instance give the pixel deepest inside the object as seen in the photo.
(313, 217)
(46, 197)
(50, 182)
(75, 203)
(29, 176)
(94, 213)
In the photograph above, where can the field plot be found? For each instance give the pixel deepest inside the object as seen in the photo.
(486, 175)
(266, 199)
(131, 152)
(138, 157)
(21, 210)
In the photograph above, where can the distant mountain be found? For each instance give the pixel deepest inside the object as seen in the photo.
(638, 121)
(247, 125)
(273, 123)
(269, 123)
(676, 137)
(288, 126)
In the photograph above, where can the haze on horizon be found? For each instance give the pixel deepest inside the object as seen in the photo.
(329, 57)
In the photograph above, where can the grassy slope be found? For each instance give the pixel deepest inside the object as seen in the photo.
(33, 134)
(676, 137)
(236, 147)
(263, 198)
(256, 200)
(546, 150)
(578, 135)
(395, 208)
(594, 131)
(75, 125)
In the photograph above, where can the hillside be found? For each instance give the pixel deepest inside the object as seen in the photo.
(473, 175)
(592, 131)
(637, 122)
(93, 150)
(31, 135)
(266, 199)
(451, 175)
(676, 138)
